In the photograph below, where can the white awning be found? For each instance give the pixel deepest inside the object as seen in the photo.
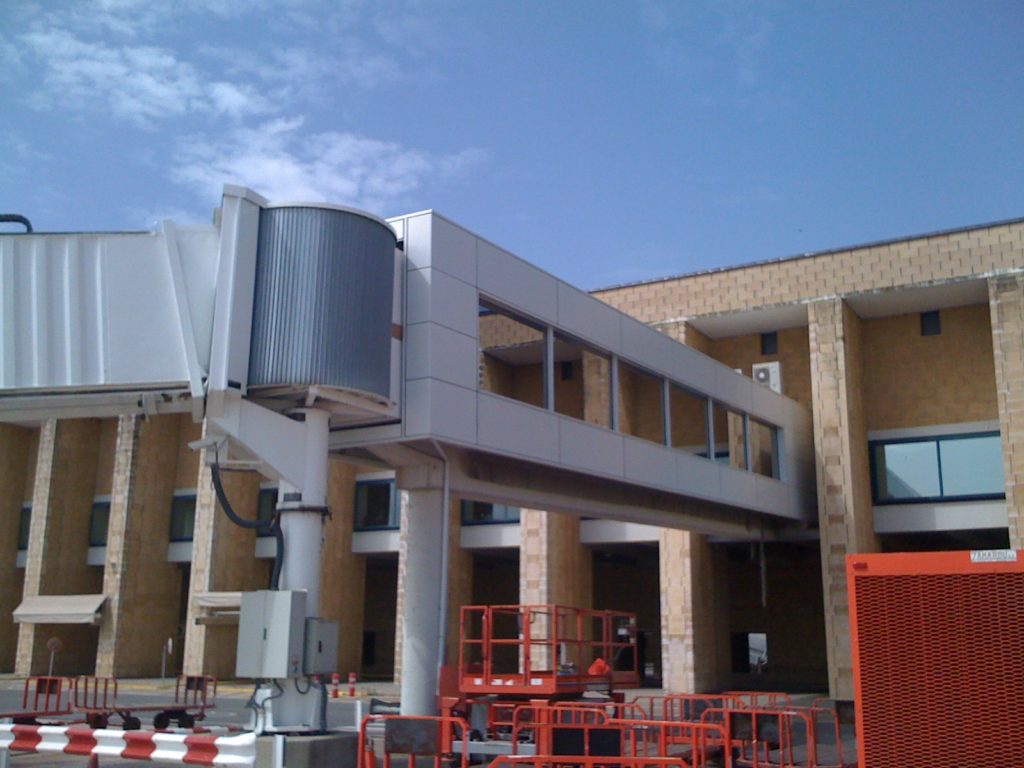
(217, 601)
(60, 609)
(214, 608)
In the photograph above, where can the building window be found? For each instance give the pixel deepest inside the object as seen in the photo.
(749, 652)
(770, 343)
(929, 469)
(183, 517)
(376, 505)
(24, 526)
(930, 324)
(482, 513)
(99, 521)
(266, 507)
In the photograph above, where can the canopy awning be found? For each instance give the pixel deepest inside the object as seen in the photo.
(217, 607)
(60, 609)
(218, 601)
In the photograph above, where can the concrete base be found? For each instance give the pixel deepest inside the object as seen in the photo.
(338, 750)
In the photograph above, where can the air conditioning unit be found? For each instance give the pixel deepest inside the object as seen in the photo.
(769, 374)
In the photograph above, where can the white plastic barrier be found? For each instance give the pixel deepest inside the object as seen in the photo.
(157, 746)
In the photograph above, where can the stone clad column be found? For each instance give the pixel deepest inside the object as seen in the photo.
(142, 588)
(554, 568)
(846, 524)
(694, 613)
(65, 482)
(1006, 305)
(343, 574)
(223, 560)
(16, 443)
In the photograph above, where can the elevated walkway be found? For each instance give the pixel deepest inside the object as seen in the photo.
(474, 367)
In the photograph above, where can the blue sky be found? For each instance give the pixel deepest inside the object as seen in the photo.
(605, 141)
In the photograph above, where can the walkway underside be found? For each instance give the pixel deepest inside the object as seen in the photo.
(504, 480)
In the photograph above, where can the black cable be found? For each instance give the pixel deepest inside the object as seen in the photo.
(275, 526)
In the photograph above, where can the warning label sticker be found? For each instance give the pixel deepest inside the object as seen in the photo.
(993, 556)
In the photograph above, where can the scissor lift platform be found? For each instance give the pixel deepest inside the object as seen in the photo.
(541, 651)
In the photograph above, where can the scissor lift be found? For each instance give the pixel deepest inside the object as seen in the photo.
(513, 654)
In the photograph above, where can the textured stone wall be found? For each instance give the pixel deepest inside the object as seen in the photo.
(694, 613)
(912, 380)
(15, 446)
(969, 252)
(222, 561)
(343, 573)
(65, 484)
(844, 487)
(1006, 303)
(143, 590)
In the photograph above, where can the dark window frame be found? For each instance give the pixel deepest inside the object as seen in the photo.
(25, 526)
(931, 323)
(769, 343)
(171, 534)
(264, 494)
(95, 540)
(942, 497)
(394, 512)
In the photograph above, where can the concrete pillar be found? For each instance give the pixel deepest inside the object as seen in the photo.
(694, 613)
(16, 443)
(143, 589)
(460, 583)
(65, 483)
(343, 574)
(1006, 305)
(223, 560)
(420, 589)
(845, 518)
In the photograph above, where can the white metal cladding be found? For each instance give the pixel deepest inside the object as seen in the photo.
(322, 310)
(449, 269)
(82, 311)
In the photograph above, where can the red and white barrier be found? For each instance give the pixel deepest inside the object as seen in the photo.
(195, 749)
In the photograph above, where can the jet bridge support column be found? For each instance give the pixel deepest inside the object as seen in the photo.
(292, 706)
(422, 585)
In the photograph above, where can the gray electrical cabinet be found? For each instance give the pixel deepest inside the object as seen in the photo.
(271, 628)
(321, 647)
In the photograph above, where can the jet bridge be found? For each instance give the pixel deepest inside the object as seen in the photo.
(298, 329)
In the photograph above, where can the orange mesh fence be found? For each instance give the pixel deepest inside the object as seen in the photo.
(938, 651)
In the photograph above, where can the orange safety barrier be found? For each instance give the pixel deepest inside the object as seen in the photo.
(579, 761)
(760, 699)
(545, 650)
(770, 738)
(584, 729)
(415, 738)
(689, 707)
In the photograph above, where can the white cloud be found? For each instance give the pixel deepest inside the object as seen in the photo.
(281, 163)
(140, 84)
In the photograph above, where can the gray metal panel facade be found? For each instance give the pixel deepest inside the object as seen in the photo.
(322, 310)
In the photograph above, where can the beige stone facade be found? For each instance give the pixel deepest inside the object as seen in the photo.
(848, 338)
